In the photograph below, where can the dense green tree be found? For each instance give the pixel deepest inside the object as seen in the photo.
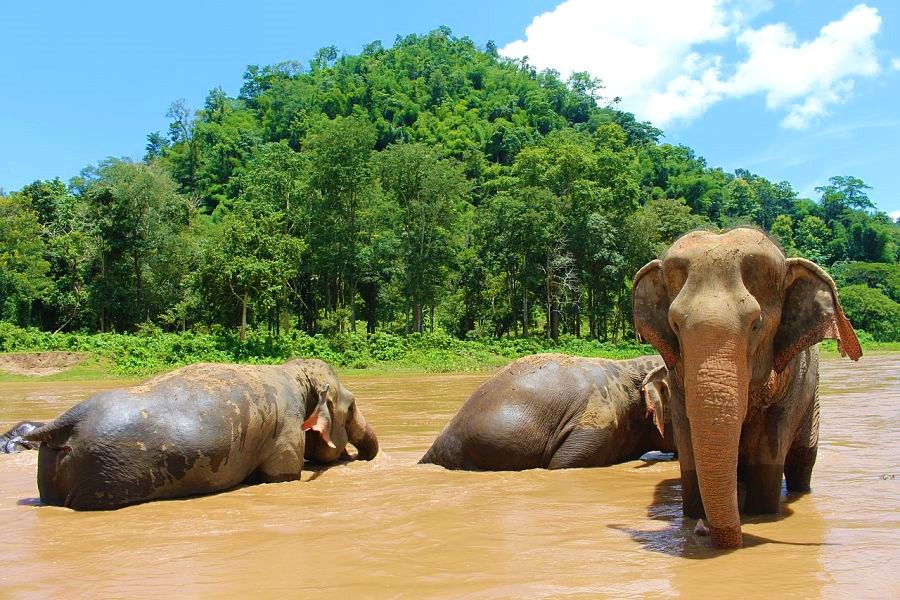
(341, 177)
(812, 238)
(252, 259)
(23, 270)
(881, 276)
(842, 194)
(133, 212)
(783, 231)
(430, 194)
(871, 310)
(426, 181)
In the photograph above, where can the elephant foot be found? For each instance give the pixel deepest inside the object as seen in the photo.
(725, 537)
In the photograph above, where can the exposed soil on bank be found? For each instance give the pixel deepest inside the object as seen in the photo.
(40, 364)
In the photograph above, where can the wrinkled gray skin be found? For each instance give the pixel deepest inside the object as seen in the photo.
(12, 441)
(553, 411)
(196, 430)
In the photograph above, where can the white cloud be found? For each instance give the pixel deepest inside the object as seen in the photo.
(895, 64)
(657, 55)
(894, 215)
(811, 76)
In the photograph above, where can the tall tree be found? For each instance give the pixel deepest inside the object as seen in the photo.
(23, 270)
(252, 259)
(341, 177)
(429, 193)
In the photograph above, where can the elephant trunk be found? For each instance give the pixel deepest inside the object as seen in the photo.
(716, 387)
(362, 436)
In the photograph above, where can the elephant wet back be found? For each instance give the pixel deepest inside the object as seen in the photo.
(551, 411)
(172, 436)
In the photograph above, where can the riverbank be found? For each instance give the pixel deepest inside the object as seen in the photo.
(150, 352)
(110, 355)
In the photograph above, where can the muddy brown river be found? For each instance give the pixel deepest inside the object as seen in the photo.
(391, 528)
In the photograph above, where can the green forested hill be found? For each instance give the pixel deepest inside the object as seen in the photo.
(427, 185)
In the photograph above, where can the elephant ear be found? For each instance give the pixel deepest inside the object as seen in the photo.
(650, 309)
(320, 420)
(655, 390)
(811, 313)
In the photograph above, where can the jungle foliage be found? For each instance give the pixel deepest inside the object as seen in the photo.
(430, 186)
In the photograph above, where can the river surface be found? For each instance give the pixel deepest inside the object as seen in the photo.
(391, 528)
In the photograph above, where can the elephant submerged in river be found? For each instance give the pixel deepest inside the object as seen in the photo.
(12, 441)
(199, 429)
(736, 322)
(553, 411)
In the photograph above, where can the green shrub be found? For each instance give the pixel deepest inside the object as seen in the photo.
(152, 350)
(873, 311)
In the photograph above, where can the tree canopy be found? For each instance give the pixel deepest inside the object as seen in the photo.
(429, 184)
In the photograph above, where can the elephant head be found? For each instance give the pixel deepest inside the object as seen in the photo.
(336, 418)
(728, 313)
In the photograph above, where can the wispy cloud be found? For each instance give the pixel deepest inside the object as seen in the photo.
(656, 55)
(794, 151)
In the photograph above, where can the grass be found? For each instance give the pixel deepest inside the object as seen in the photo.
(153, 351)
(829, 347)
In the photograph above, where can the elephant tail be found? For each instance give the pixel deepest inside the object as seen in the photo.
(57, 432)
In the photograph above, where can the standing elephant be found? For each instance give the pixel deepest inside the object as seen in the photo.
(735, 322)
(553, 411)
(12, 441)
(199, 429)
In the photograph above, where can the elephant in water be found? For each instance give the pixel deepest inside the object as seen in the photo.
(736, 321)
(554, 411)
(12, 441)
(199, 429)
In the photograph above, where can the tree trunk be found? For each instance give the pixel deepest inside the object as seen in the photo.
(524, 297)
(406, 318)
(592, 320)
(417, 317)
(554, 319)
(139, 283)
(352, 301)
(244, 316)
(524, 311)
(576, 311)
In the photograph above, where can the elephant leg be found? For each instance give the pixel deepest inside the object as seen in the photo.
(763, 484)
(284, 464)
(691, 500)
(584, 448)
(764, 446)
(798, 465)
(798, 468)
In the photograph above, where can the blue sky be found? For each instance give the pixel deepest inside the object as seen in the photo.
(796, 90)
